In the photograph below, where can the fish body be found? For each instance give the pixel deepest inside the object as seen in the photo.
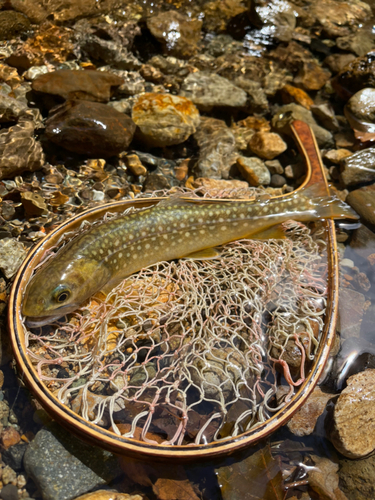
(174, 228)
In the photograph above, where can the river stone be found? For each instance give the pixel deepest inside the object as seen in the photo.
(363, 202)
(254, 171)
(178, 34)
(287, 114)
(208, 90)
(10, 108)
(336, 62)
(356, 76)
(363, 241)
(312, 76)
(277, 18)
(217, 149)
(108, 495)
(12, 24)
(90, 128)
(165, 119)
(267, 145)
(12, 254)
(357, 478)
(72, 84)
(354, 416)
(351, 309)
(360, 111)
(359, 43)
(304, 420)
(359, 167)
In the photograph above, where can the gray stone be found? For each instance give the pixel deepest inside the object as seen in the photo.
(12, 253)
(277, 180)
(359, 167)
(254, 171)
(326, 116)
(63, 467)
(208, 90)
(9, 492)
(286, 114)
(360, 42)
(13, 456)
(257, 101)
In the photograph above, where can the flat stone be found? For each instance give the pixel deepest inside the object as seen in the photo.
(90, 128)
(304, 420)
(208, 90)
(286, 114)
(278, 17)
(33, 203)
(324, 479)
(359, 167)
(108, 495)
(351, 309)
(13, 24)
(354, 416)
(165, 119)
(178, 34)
(363, 202)
(359, 43)
(336, 20)
(294, 94)
(357, 478)
(267, 145)
(70, 84)
(12, 254)
(217, 149)
(336, 155)
(19, 151)
(218, 185)
(254, 171)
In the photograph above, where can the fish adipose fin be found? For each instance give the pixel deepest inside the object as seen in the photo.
(327, 206)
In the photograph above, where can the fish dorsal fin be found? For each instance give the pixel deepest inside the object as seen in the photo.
(205, 254)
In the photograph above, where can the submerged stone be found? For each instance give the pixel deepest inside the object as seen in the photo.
(71, 84)
(359, 167)
(363, 202)
(90, 128)
(12, 253)
(12, 24)
(357, 75)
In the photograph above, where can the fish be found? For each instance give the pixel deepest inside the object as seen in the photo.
(177, 227)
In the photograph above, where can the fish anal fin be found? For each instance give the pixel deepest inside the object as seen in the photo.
(271, 233)
(205, 254)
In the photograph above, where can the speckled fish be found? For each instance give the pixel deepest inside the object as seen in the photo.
(174, 228)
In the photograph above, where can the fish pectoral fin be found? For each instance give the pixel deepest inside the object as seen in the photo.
(271, 233)
(205, 254)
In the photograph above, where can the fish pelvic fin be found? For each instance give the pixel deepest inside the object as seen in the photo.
(327, 206)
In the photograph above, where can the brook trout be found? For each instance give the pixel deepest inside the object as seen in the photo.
(174, 228)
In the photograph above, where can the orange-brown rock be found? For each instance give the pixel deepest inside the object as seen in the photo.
(108, 495)
(75, 84)
(293, 94)
(10, 437)
(304, 420)
(165, 119)
(312, 76)
(267, 145)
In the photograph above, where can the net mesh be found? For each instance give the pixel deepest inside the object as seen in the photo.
(190, 352)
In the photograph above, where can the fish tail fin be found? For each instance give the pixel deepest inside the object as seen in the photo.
(328, 206)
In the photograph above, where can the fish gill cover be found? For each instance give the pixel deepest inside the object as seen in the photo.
(191, 352)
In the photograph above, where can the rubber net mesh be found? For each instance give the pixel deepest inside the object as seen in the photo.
(190, 352)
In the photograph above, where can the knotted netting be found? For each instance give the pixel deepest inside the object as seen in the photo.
(190, 352)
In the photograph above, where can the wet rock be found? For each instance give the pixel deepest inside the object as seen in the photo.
(351, 309)
(245, 129)
(10, 437)
(286, 114)
(208, 90)
(165, 119)
(34, 204)
(363, 202)
(135, 166)
(217, 149)
(356, 76)
(254, 171)
(11, 109)
(87, 85)
(267, 145)
(291, 94)
(324, 479)
(9, 492)
(360, 112)
(359, 43)
(12, 254)
(12, 24)
(337, 62)
(359, 167)
(13, 456)
(8, 475)
(178, 34)
(335, 156)
(325, 115)
(304, 420)
(277, 181)
(354, 416)
(19, 151)
(276, 18)
(133, 84)
(312, 76)
(363, 242)
(90, 128)
(109, 495)
(257, 100)
(357, 478)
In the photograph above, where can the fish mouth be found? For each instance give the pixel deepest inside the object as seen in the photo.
(36, 321)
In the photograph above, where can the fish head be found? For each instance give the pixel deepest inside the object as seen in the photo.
(58, 290)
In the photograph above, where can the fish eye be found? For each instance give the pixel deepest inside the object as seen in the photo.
(61, 294)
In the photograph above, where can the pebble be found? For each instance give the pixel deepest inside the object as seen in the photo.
(33, 204)
(359, 43)
(324, 479)
(357, 478)
(277, 181)
(336, 62)
(8, 475)
(354, 416)
(245, 129)
(10, 437)
(336, 155)
(325, 115)
(267, 145)
(90, 128)
(363, 202)
(9, 492)
(351, 309)
(278, 17)
(109, 495)
(217, 149)
(360, 113)
(178, 33)
(135, 166)
(208, 90)
(164, 119)
(312, 76)
(257, 101)
(304, 420)
(254, 171)
(70, 84)
(13, 24)
(293, 94)
(19, 151)
(359, 167)
(12, 254)
(212, 185)
(10, 108)
(274, 166)
(290, 112)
